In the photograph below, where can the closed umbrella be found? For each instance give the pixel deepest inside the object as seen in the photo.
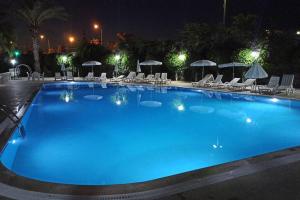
(91, 64)
(151, 63)
(203, 63)
(256, 71)
(233, 65)
(138, 67)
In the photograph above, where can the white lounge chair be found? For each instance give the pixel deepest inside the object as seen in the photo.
(130, 77)
(57, 76)
(286, 84)
(215, 82)
(139, 78)
(117, 79)
(227, 84)
(243, 86)
(164, 79)
(37, 76)
(102, 78)
(271, 88)
(207, 78)
(70, 76)
(90, 76)
(149, 78)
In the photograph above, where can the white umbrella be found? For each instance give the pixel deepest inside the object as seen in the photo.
(138, 67)
(203, 63)
(91, 64)
(233, 65)
(151, 63)
(256, 71)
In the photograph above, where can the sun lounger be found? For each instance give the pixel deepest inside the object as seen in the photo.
(215, 82)
(117, 79)
(164, 79)
(286, 84)
(244, 85)
(207, 78)
(130, 77)
(139, 78)
(57, 76)
(227, 84)
(102, 78)
(90, 76)
(70, 76)
(271, 88)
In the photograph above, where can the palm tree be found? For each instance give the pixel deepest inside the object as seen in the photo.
(34, 13)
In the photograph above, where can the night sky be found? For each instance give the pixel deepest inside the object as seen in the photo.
(160, 19)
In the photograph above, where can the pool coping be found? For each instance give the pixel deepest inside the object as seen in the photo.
(19, 187)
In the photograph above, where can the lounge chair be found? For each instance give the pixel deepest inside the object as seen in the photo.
(149, 78)
(90, 76)
(70, 76)
(102, 78)
(117, 79)
(286, 84)
(37, 76)
(130, 77)
(58, 76)
(243, 86)
(271, 88)
(227, 84)
(139, 78)
(215, 82)
(164, 79)
(207, 78)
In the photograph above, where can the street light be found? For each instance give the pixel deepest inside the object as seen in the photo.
(298, 33)
(96, 27)
(42, 37)
(117, 57)
(71, 39)
(13, 62)
(255, 54)
(182, 57)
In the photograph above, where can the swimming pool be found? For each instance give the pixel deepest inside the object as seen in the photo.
(93, 134)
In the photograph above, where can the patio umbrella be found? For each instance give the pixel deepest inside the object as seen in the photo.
(151, 63)
(138, 67)
(256, 71)
(63, 69)
(203, 63)
(91, 64)
(233, 65)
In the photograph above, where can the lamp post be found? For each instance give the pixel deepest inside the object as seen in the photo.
(224, 11)
(42, 37)
(118, 61)
(13, 62)
(96, 28)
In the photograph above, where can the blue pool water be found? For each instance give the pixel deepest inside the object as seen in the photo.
(93, 134)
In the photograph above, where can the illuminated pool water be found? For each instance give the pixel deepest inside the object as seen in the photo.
(93, 134)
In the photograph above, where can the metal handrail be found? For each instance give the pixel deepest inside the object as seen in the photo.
(17, 121)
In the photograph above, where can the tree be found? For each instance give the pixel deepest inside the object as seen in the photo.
(6, 33)
(34, 13)
(176, 61)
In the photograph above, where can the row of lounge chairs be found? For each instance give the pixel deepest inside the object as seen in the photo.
(158, 78)
(272, 87)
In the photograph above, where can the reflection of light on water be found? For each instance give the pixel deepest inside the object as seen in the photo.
(218, 145)
(180, 107)
(248, 120)
(118, 102)
(13, 141)
(67, 99)
(274, 100)
(67, 96)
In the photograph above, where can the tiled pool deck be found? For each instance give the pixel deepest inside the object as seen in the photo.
(280, 182)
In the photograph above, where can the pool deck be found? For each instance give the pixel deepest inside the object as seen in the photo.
(279, 182)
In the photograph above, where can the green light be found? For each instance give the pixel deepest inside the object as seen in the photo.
(17, 53)
(182, 57)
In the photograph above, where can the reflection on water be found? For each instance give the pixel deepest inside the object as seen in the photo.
(120, 98)
(67, 96)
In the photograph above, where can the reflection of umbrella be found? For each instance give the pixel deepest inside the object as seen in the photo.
(233, 65)
(151, 63)
(256, 71)
(138, 67)
(91, 64)
(203, 63)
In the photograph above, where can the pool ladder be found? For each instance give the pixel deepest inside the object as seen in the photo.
(14, 118)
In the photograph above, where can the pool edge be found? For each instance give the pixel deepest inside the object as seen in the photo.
(25, 187)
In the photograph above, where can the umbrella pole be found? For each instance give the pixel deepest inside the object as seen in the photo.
(202, 72)
(196, 77)
(233, 73)
(151, 69)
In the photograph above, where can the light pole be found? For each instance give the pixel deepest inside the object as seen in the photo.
(42, 37)
(224, 11)
(97, 27)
